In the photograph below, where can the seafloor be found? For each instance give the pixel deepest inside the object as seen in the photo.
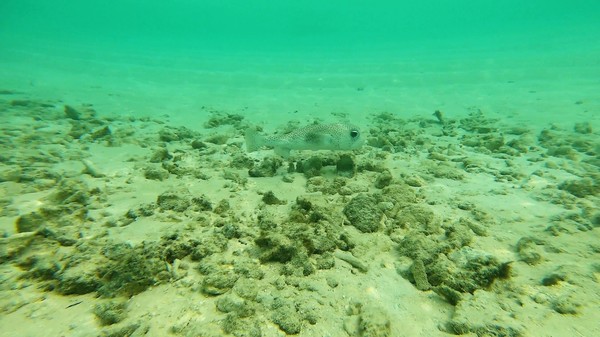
(119, 225)
(130, 207)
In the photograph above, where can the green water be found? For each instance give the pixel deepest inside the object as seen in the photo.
(409, 58)
(303, 27)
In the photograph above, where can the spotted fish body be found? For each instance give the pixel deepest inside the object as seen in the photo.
(337, 137)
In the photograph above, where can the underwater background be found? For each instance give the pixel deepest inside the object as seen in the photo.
(130, 205)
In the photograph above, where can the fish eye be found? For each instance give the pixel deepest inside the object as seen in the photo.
(354, 133)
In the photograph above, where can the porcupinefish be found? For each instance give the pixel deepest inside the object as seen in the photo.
(337, 136)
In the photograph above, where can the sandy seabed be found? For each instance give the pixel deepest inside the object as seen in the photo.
(118, 223)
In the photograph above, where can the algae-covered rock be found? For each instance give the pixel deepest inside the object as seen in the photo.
(208, 245)
(276, 247)
(197, 144)
(217, 139)
(299, 241)
(66, 205)
(269, 198)
(220, 119)
(230, 303)
(218, 282)
(528, 250)
(566, 304)
(12, 246)
(383, 179)
(155, 173)
(247, 288)
(418, 216)
(78, 280)
(129, 330)
(581, 188)
(71, 112)
(363, 213)
(419, 274)
(401, 194)
(177, 201)
(584, 128)
(111, 312)
(564, 151)
(30, 222)
(484, 315)
(71, 191)
(374, 322)
(467, 270)
(101, 133)
(130, 270)
(335, 186)
(267, 167)
(448, 261)
(171, 134)
(345, 166)
(445, 170)
(286, 317)
(160, 154)
(311, 167)
(202, 203)
(240, 326)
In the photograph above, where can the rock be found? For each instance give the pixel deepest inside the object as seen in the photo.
(171, 134)
(269, 198)
(528, 250)
(311, 167)
(202, 203)
(218, 139)
(100, 133)
(287, 318)
(235, 325)
(77, 281)
(484, 314)
(374, 322)
(384, 179)
(174, 200)
(198, 144)
(267, 168)
(218, 282)
(420, 275)
(232, 303)
(159, 155)
(30, 222)
(130, 270)
(345, 166)
(584, 128)
(111, 312)
(72, 113)
(13, 245)
(208, 245)
(581, 188)
(363, 213)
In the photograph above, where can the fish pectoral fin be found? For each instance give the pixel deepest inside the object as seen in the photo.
(282, 151)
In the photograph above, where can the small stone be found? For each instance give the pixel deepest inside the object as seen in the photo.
(110, 312)
(269, 198)
(155, 173)
(72, 113)
(29, 222)
(198, 144)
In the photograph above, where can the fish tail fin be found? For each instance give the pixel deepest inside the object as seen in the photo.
(254, 140)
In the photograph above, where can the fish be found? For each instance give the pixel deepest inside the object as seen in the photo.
(335, 136)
